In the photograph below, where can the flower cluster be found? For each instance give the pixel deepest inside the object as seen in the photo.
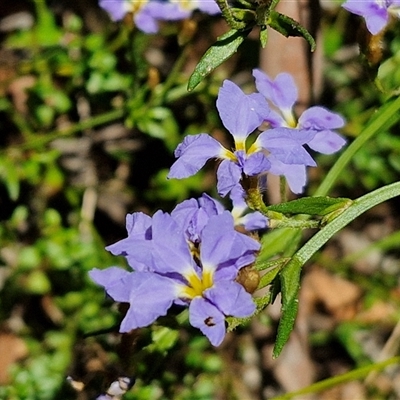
(190, 257)
(195, 256)
(375, 12)
(147, 13)
(279, 150)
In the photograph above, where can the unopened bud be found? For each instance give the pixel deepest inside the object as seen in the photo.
(249, 278)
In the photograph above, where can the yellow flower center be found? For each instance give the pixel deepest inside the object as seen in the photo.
(136, 5)
(185, 4)
(240, 145)
(226, 154)
(289, 118)
(196, 285)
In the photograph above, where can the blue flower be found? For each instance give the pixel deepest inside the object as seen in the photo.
(172, 271)
(241, 114)
(193, 215)
(375, 12)
(147, 13)
(321, 123)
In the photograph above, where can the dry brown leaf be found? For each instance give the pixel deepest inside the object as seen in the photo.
(12, 349)
(339, 296)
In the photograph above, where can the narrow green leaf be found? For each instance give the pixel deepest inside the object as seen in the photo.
(290, 274)
(278, 241)
(290, 284)
(9, 175)
(312, 205)
(289, 27)
(355, 374)
(270, 275)
(225, 46)
(263, 36)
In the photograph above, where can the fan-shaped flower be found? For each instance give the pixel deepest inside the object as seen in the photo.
(173, 274)
(241, 114)
(375, 12)
(282, 95)
(147, 13)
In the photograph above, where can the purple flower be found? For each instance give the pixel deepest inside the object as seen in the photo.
(282, 94)
(138, 226)
(375, 12)
(147, 13)
(193, 215)
(315, 128)
(116, 8)
(241, 114)
(203, 279)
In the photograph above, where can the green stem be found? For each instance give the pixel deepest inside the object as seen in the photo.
(282, 187)
(290, 275)
(80, 126)
(157, 96)
(227, 14)
(357, 208)
(353, 375)
(384, 118)
(276, 219)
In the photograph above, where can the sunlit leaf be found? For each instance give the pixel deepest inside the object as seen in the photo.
(221, 50)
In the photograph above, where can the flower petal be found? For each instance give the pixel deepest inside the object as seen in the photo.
(327, 142)
(240, 113)
(166, 10)
(145, 21)
(252, 221)
(223, 246)
(319, 118)
(138, 226)
(256, 164)
(295, 174)
(116, 9)
(184, 212)
(282, 91)
(193, 153)
(192, 215)
(375, 14)
(150, 296)
(210, 205)
(170, 251)
(231, 298)
(228, 175)
(109, 278)
(206, 317)
(208, 7)
(285, 144)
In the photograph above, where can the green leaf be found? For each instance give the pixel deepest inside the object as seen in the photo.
(278, 241)
(37, 282)
(263, 36)
(163, 339)
(290, 275)
(290, 284)
(270, 275)
(9, 175)
(289, 27)
(312, 205)
(225, 46)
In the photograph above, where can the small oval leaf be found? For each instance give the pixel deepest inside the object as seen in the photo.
(312, 205)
